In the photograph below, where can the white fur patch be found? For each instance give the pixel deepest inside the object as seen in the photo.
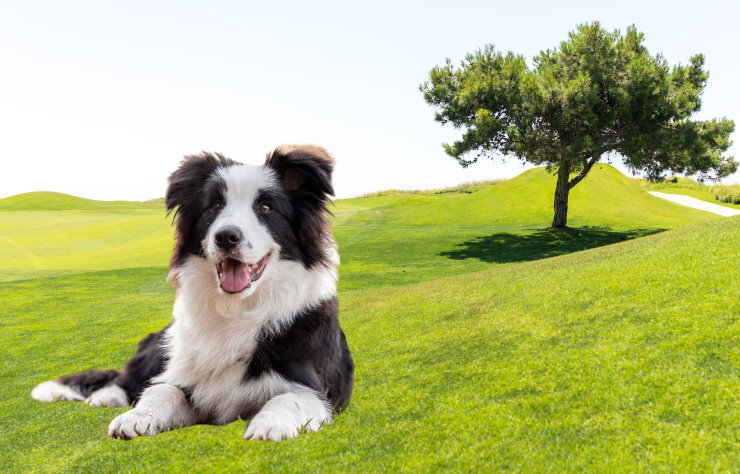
(161, 408)
(243, 184)
(53, 391)
(285, 415)
(111, 396)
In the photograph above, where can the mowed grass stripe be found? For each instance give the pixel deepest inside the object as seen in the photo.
(42, 243)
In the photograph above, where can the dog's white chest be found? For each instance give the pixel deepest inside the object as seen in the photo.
(212, 368)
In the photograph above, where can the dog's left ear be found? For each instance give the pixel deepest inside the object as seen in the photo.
(303, 169)
(305, 173)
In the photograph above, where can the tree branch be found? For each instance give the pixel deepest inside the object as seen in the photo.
(584, 171)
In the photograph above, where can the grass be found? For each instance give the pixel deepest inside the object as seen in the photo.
(50, 201)
(687, 187)
(44, 243)
(586, 361)
(400, 239)
(384, 241)
(466, 188)
(474, 348)
(46, 234)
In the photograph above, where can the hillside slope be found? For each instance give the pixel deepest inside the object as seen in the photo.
(621, 358)
(51, 201)
(383, 241)
(606, 195)
(396, 239)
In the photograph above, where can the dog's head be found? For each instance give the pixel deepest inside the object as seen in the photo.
(242, 219)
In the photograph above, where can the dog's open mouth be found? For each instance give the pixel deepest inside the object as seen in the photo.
(236, 276)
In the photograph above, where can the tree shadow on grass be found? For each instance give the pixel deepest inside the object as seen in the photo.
(507, 247)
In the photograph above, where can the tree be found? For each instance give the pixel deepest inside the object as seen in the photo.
(598, 95)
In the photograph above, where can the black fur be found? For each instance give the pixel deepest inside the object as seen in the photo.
(312, 352)
(279, 222)
(87, 381)
(305, 172)
(149, 361)
(133, 378)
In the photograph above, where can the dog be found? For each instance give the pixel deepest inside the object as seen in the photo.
(255, 331)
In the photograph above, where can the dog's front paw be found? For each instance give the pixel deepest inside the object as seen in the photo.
(133, 423)
(271, 427)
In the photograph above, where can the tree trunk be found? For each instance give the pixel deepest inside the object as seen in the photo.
(561, 198)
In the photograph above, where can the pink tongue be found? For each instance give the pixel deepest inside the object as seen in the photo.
(235, 276)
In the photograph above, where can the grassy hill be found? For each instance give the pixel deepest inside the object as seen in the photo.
(398, 239)
(617, 358)
(51, 201)
(384, 240)
(606, 196)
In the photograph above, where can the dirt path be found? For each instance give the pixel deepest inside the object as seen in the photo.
(697, 204)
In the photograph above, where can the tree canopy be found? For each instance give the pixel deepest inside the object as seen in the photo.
(598, 94)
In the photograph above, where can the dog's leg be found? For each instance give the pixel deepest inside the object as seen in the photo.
(285, 416)
(73, 387)
(162, 407)
(109, 396)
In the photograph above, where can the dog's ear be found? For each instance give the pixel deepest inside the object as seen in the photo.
(305, 173)
(303, 169)
(186, 182)
(185, 197)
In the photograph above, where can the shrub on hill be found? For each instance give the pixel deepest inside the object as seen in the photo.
(727, 193)
(673, 182)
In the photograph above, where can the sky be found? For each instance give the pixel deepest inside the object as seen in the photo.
(103, 99)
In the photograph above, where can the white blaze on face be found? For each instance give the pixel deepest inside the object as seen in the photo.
(243, 184)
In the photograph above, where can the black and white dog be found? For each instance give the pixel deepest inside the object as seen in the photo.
(255, 331)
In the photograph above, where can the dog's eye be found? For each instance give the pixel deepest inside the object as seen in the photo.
(264, 208)
(216, 206)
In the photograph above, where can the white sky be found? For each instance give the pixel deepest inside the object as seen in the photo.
(102, 99)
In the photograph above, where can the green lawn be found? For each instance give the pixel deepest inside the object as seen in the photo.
(481, 341)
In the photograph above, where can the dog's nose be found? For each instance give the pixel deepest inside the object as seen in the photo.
(228, 237)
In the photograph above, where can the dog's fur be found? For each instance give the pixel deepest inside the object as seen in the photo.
(255, 331)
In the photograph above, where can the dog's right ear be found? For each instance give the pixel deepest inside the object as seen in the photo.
(185, 197)
(186, 182)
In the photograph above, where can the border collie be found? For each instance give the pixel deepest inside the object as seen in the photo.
(255, 331)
